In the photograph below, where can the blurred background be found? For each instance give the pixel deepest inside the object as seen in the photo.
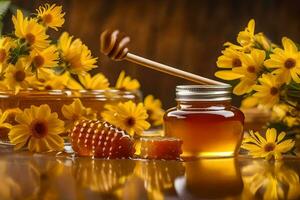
(187, 34)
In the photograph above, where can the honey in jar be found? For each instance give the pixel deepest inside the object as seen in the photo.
(205, 121)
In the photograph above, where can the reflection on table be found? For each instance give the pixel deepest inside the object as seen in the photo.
(49, 176)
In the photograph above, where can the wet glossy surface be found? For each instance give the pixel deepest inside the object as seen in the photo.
(48, 176)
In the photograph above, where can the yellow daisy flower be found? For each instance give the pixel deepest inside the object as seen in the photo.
(39, 128)
(5, 46)
(30, 30)
(47, 80)
(97, 82)
(17, 76)
(11, 115)
(263, 41)
(46, 58)
(286, 61)
(268, 91)
(66, 80)
(154, 110)
(282, 113)
(76, 111)
(271, 146)
(3, 119)
(76, 55)
(126, 83)
(127, 116)
(291, 121)
(55, 83)
(246, 38)
(251, 66)
(279, 111)
(51, 15)
(229, 59)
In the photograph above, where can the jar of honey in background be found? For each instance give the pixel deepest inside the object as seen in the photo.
(206, 121)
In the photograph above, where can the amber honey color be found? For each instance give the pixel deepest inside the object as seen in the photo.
(208, 129)
(56, 99)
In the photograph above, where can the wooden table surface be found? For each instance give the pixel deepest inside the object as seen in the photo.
(24, 175)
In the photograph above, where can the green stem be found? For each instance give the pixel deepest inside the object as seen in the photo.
(287, 102)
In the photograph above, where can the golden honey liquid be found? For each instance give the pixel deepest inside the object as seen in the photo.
(208, 129)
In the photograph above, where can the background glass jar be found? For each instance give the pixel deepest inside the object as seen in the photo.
(206, 121)
(56, 99)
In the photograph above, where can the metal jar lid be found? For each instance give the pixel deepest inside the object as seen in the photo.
(203, 92)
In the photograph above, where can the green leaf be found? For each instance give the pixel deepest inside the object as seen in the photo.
(59, 70)
(1, 28)
(4, 5)
(13, 9)
(294, 85)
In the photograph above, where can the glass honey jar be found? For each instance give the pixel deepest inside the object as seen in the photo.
(56, 99)
(206, 121)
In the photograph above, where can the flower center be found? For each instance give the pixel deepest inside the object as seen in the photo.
(251, 69)
(38, 61)
(236, 62)
(19, 76)
(289, 63)
(76, 116)
(30, 38)
(39, 129)
(42, 80)
(2, 55)
(47, 18)
(149, 112)
(130, 121)
(11, 117)
(48, 87)
(274, 91)
(269, 147)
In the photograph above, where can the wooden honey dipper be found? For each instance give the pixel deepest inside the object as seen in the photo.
(114, 45)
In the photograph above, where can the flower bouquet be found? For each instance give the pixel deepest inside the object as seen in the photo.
(46, 86)
(267, 76)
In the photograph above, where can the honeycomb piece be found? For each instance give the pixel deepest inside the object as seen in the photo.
(101, 139)
(166, 148)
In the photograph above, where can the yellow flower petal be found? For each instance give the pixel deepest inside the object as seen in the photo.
(281, 136)
(285, 146)
(244, 86)
(271, 135)
(249, 102)
(227, 75)
(289, 45)
(126, 83)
